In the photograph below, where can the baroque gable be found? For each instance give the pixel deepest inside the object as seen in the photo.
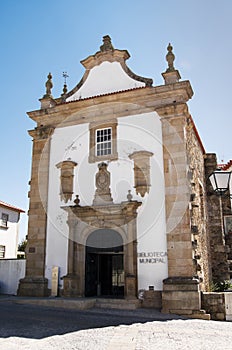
(108, 62)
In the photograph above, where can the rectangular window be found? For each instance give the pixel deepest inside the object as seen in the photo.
(2, 251)
(5, 218)
(103, 142)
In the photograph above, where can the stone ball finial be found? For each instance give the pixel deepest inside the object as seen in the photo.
(65, 90)
(77, 200)
(129, 196)
(170, 57)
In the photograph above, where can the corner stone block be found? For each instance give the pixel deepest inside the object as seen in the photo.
(181, 293)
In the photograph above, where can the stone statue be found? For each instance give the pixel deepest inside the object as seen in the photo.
(170, 57)
(49, 86)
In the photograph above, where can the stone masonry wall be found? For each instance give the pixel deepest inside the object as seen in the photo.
(218, 248)
(34, 283)
(198, 210)
(214, 304)
(179, 243)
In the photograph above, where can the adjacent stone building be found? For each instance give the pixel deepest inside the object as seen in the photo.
(119, 194)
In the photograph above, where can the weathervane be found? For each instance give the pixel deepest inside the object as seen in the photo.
(65, 76)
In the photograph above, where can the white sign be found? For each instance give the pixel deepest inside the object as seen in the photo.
(152, 257)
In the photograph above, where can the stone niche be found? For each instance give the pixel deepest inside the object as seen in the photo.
(141, 171)
(66, 179)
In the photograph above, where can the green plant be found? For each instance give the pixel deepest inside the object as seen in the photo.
(22, 245)
(220, 286)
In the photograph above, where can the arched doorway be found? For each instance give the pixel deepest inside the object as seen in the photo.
(104, 264)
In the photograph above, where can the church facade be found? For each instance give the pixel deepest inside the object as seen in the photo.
(119, 199)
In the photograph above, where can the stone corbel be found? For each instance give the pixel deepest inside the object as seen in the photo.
(66, 179)
(141, 171)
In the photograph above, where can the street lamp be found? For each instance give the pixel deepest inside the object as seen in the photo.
(220, 180)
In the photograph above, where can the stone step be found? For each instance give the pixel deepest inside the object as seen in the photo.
(67, 303)
(200, 314)
(121, 304)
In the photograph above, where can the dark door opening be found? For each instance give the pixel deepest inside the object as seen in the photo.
(104, 274)
(104, 268)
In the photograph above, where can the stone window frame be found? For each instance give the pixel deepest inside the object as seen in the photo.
(93, 127)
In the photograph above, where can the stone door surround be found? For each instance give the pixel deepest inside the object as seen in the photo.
(82, 221)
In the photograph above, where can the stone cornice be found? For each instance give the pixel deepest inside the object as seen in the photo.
(111, 212)
(110, 56)
(42, 132)
(115, 105)
(173, 110)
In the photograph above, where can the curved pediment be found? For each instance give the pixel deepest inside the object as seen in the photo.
(106, 72)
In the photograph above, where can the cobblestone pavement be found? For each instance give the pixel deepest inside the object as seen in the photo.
(34, 327)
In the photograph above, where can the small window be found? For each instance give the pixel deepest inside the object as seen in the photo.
(5, 218)
(103, 142)
(2, 251)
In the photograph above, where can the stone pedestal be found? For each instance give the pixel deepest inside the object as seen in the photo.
(181, 296)
(71, 287)
(131, 287)
(152, 299)
(33, 287)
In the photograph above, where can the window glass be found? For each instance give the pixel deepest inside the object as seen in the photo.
(2, 251)
(4, 219)
(103, 142)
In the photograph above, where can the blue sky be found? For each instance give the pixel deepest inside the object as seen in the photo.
(44, 36)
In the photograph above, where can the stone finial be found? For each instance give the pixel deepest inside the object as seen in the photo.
(77, 200)
(65, 90)
(129, 196)
(170, 57)
(107, 45)
(49, 86)
(171, 75)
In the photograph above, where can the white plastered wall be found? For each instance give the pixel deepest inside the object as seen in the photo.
(106, 78)
(134, 133)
